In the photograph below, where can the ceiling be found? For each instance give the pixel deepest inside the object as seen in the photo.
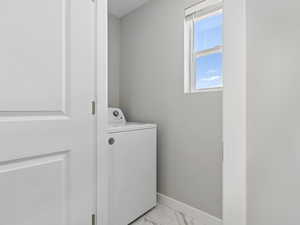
(120, 8)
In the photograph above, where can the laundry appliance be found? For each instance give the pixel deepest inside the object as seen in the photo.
(133, 155)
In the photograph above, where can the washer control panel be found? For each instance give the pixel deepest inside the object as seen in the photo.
(116, 116)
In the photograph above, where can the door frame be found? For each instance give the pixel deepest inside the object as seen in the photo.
(101, 111)
(234, 113)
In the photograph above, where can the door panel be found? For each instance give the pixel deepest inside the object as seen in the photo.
(28, 196)
(34, 47)
(47, 130)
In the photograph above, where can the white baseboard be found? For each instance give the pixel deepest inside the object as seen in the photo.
(200, 216)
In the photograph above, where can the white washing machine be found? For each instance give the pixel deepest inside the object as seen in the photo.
(132, 148)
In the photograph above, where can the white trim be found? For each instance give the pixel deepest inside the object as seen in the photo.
(188, 28)
(199, 216)
(201, 5)
(211, 12)
(101, 98)
(235, 113)
(216, 89)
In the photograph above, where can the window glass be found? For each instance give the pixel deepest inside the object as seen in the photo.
(208, 32)
(209, 71)
(203, 59)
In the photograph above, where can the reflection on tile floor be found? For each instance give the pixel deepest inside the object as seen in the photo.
(162, 215)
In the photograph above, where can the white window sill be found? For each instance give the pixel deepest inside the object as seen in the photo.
(219, 89)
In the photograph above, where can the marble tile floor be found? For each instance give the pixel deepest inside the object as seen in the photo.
(163, 215)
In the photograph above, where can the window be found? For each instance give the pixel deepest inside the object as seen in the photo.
(204, 46)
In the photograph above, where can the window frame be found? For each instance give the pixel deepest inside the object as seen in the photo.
(193, 14)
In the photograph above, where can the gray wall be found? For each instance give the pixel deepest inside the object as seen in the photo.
(114, 30)
(151, 90)
(273, 112)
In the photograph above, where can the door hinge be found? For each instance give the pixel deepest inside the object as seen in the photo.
(93, 219)
(93, 107)
(222, 152)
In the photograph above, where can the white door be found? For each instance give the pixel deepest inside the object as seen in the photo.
(46, 126)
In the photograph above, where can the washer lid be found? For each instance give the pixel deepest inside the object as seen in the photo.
(129, 126)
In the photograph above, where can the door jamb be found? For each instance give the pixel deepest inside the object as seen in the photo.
(235, 113)
(101, 111)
